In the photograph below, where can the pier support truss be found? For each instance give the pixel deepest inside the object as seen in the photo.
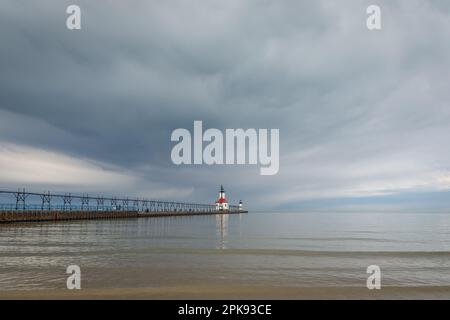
(71, 202)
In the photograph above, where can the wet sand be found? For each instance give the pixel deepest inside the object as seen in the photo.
(235, 292)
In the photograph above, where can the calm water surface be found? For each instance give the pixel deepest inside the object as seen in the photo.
(275, 249)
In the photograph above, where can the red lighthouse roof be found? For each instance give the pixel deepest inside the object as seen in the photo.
(221, 200)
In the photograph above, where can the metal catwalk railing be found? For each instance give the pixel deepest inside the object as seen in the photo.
(21, 200)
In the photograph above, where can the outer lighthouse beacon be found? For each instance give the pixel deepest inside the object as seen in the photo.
(222, 203)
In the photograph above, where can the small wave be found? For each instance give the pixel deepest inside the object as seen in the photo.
(240, 251)
(311, 253)
(339, 239)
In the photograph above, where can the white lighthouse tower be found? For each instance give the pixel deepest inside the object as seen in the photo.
(222, 203)
(240, 205)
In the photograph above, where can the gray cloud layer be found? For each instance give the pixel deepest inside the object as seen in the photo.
(361, 114)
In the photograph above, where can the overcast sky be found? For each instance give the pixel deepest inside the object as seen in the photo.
(364, 116)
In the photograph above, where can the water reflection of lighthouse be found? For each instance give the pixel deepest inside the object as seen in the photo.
(222, 229)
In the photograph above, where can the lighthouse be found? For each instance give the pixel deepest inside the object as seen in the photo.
(222, 203)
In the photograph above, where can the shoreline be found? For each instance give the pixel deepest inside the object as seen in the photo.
(233, 293)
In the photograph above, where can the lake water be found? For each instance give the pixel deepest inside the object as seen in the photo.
(269, 249)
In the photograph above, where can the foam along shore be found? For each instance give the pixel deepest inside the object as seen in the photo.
(34, 216)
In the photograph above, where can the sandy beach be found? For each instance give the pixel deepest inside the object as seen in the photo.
(235, 292)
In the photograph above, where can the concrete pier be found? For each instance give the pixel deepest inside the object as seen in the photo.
(188, 213)
(43, 215)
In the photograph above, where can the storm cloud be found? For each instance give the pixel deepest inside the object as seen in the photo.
(362, 114)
